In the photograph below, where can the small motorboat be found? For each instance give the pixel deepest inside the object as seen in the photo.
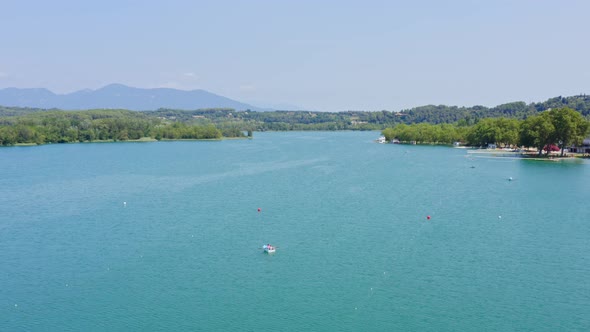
(269, 249)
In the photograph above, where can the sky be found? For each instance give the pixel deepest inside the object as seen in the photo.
(317, 55)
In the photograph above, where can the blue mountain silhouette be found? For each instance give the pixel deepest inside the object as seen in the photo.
(119, 96)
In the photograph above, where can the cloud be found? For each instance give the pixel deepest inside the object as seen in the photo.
(178, 85)
(191, 75)
(3, 74)
(172, 85)
(247, 87)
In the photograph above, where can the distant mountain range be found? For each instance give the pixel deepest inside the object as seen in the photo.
(120, 96)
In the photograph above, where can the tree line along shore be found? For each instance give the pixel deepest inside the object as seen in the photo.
(553, 129)
(104, 125)
(507, 124)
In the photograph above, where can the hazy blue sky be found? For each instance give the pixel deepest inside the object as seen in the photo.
(322, 55)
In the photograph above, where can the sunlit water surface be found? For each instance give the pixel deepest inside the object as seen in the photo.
(349, 217)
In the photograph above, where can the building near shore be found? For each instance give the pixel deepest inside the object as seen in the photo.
(584, 148)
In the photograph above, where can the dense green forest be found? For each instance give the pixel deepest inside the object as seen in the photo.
(361, 120)
(561, 127)
(436, 123)
(96, 125)
(231, 120)
(470, 115)
(18, 111)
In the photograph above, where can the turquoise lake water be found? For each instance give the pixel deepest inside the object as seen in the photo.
(355, 249)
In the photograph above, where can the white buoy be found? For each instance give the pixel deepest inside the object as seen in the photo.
(499, 217)
(510, 179)
(16, 305)
(124, 203)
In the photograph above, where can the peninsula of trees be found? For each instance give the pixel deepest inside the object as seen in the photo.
(561, 127)
(101, 125)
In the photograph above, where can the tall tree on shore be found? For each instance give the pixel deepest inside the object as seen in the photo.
(507, 131)
(570, 127)
(483, 133)
(500, 131)
(537, 131)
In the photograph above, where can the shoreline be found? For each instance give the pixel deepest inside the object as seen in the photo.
(141, 140)
(524, 155)
(507, 154)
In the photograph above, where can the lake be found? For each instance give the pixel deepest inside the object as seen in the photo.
(356, 251)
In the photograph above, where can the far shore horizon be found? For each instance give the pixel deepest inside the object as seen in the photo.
(28, 94)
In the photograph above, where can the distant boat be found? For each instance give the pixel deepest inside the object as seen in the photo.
(381, 140)
(269, 249)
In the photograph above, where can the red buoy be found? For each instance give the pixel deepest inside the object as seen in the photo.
(428, 217)
(259, 210)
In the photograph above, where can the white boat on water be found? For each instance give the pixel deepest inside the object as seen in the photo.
(269, 249)
(381, 140)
